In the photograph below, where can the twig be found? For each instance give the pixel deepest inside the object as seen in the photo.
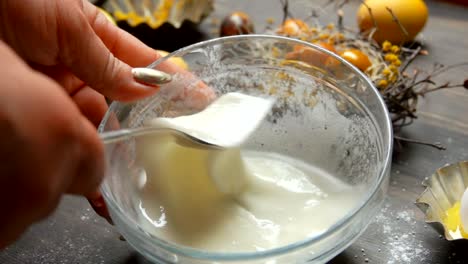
(402, 28)
(443, 69)
(374, 29)
(409, 111)
(411, 58)
(425, 80)
(436, 145)
(286, 14)
(340, 14)
(444, 86)
(405, 121)
(415, 76)
(370, 13)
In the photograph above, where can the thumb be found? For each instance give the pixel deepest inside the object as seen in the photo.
(95, 60)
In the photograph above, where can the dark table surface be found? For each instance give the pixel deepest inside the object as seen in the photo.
(75, 234)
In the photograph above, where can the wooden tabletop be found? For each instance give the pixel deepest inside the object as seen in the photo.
(74, 234)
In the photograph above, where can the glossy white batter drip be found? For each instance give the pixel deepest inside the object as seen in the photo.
(225, 201)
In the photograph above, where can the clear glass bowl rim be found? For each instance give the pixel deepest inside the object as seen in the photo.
(239, 256)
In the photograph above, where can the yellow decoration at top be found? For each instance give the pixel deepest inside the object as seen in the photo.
(154, 13)
(411, 15)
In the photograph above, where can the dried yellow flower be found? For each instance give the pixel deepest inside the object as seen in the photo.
(393, 78)
(337, 37)
(396, 62)
(393, 68)
(340, 36)
(331, 26)
(390, 57)
(382, 83)
(395, 49)
(386, 46)
(324, 36)
(386, 71)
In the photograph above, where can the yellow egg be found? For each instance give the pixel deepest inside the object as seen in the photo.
(176, 60)
(293, 27)
(357, 58)
(412, 15)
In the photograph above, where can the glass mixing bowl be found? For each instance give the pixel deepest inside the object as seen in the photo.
(327, 113)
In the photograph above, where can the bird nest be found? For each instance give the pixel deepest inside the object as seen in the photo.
(388, 64)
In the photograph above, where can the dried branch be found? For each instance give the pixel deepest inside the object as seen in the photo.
(370, 13)
(447, 85)
(340, 15)
(411, 58)
(375, 27)
(396, 20)
(436, 145)
(285, 7)
(400, 89)
(443, 69)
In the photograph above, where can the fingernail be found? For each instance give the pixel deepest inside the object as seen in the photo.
(150, 76)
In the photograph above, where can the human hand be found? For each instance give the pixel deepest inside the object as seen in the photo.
(73, 42)
(47, 145)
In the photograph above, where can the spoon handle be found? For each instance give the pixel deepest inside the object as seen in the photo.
(122, 134)
(114, 136)
(117, 135)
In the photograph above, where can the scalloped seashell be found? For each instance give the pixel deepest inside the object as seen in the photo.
(443, 189)
(154, 13)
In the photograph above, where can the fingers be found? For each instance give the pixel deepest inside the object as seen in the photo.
(103, 55)
(99, 205)
(119, 42)
(90, 170)
(91, 60)
(89, 173)
(92, 104)
(65, 145)
(47, 146)
(61, 75)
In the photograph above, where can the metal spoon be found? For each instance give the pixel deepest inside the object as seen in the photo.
(116, 136)
(152, 77)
